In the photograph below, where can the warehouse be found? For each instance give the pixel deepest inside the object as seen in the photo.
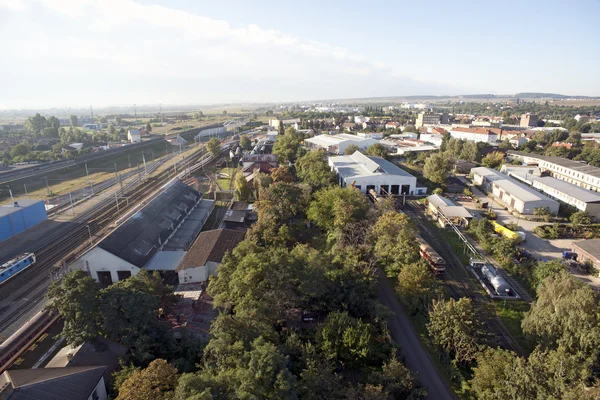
(337, 144)
(588, 250)
(517, 196)
(582, 199)
(139, 240)
(366, 172)
(20, 215)
(443, 208)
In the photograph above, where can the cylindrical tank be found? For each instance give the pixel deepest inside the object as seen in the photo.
(498, 283)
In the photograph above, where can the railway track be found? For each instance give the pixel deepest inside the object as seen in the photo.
(28, 288)
(460, 282)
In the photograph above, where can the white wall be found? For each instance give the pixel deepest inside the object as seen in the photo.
(99, 259)
(198, 274)
(384, 179)
(100, 390)
(474, 137)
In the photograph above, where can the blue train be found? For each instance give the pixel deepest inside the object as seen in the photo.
(16, 265)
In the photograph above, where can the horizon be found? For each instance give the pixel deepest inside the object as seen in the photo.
(118, 53)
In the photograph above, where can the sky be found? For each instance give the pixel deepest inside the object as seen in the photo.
(71, 53)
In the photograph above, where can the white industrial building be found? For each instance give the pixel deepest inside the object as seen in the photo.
(433, 138)
(474, 134)
(337, 144)
(577, 173)
(443, 208)
(582, 199)
(366, 172)
(516, 195)
(370, 135)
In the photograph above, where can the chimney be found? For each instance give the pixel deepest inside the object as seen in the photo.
(16, 204)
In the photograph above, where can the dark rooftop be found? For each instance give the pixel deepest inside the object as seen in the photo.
(211, 246)
(563, 162)
(590, 246)
(141, 236)
(70, 383)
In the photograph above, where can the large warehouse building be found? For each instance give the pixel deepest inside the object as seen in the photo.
(588, 250)
(365, 173)
(20, 215)
(337, 144)
(517, 196)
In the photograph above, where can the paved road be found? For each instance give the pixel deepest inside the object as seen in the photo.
(416, 357)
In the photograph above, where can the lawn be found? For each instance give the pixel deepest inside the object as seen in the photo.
(224, 176)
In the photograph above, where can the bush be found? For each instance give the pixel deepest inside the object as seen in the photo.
(491, 215)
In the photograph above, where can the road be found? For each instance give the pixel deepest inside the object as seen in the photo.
(416, 357)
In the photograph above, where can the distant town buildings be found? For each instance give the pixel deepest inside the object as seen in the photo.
(474, 134)
(337, 144)
(426, 118)
(528, 120)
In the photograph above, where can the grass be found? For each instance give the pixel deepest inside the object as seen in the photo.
(456, 243)
(511, 313)
(225, 180)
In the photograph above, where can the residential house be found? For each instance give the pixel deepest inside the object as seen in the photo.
(474, 134)
(134, 136)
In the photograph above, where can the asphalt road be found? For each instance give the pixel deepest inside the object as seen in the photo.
(416, 357)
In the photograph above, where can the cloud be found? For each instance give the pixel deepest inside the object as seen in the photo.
(15, 5)
(134, 48)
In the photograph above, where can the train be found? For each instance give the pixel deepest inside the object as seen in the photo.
(13, 347)
(14, 266)
(435, 261)
(501, 287)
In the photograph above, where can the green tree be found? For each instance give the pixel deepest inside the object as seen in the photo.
(287, 147)
(469, 152)
(19, 150)
(345, 339)
(351, 149)
(580, 218)
(224, 112)
(377, 150)
(397, 381)
(76, 297)
(437, 168)
(333, 208)
(313, 170)
(417, 286)
(157, 381)
(493, 159)
(282, 174)
(564, 314)
(261, 181)
(148, 128)
(241, 190)
(74, 120)
(280, 128)
(456, 328)
(214, 147)
(35, 124)
(543, 270)
(245, 142)
(393, 235)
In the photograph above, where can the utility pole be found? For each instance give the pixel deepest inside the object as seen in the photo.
(117, 202)
(87, 173)
(129, 159)
(91, 114)
(47, 187)
(26, 194)
(10, 192)
(135, 111)
(90, 233)
(117, 177)
(145, 167)
(71, 198)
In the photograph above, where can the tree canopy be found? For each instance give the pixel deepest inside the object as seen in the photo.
(313, 170)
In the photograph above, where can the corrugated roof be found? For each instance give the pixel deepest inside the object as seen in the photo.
(141, 236)
(591, 246)
(211, 246)
(69, 383)
(517, 189)
(359, 164)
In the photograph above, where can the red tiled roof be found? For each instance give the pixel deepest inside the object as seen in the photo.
(211, 246)
(479, 131)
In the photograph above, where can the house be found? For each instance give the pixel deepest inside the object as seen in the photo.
(134, 136)
(69, 383)
(515, 195)
(433, 138)
(104, 352)
(566, 145)
(518, 142)
(392, 125)
(206, 254)
(443, 208)
(348, 126)
(474, 134)
(369, 125)
(528, 120)
(430, 119)
(293, 121)
(140, 238)
(367, 172)
(337, 144)
(253, 164)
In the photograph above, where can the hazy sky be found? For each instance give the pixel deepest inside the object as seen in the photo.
(119, 52)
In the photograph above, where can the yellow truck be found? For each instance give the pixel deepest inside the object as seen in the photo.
(517, 236)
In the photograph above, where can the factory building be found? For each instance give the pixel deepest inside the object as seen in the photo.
(20, 215)
(366, 172)
(516, 195)
(337, 144)
(577, 173)
(582, 199)
(150, 239)
(588, 250)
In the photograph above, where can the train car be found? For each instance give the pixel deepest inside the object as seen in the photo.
(437, 263)
(13, 347)
(517, 236)
(16, 265)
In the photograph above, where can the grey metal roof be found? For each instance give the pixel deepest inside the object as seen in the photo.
(9, 208)
(563, 162)
(579, 193)
(141, 236)
(515, 188)
(69, 383)
(359, 164)
(591, 246)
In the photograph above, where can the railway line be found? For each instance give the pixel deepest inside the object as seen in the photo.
(460, 282)
(27, 289)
